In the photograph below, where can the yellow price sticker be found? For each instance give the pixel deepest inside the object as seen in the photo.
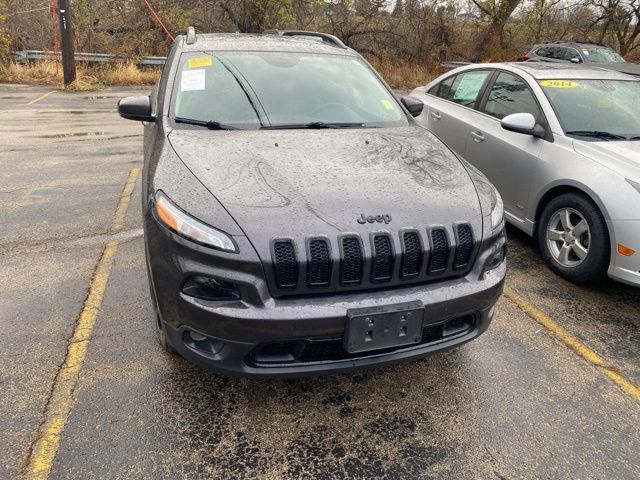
(387, 104)
(197, 62)
(559, 84)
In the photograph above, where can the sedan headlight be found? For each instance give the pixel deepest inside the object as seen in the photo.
(497, 212)
(635, 185)
(188, 227)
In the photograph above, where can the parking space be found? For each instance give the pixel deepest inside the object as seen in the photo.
(550, 391)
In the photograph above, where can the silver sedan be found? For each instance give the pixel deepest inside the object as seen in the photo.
(562, 145)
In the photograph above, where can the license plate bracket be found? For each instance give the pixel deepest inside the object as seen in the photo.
(388, 326)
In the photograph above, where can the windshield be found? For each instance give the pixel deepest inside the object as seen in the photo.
(251, 90)
(601, 55)
(605, 106)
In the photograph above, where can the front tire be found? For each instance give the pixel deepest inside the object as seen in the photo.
(573, 238)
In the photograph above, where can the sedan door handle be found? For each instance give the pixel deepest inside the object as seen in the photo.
(436, 115)
(477, 136)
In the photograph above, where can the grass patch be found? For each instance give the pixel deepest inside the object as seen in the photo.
(403, 76)
(89, 76)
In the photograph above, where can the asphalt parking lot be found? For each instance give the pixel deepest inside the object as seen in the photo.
(550, 391)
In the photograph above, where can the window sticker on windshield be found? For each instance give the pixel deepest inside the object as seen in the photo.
(388, 104)
(469, 86)
(586, 52)
(559, 84)
(192, 80)
(199, 62)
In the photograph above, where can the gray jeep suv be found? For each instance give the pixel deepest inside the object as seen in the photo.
(298, 220)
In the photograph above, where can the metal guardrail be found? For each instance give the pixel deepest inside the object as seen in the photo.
(25, 56)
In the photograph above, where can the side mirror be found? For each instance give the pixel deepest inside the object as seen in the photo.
(136, 108)
(412, 104)
(522, 123)
(575, 60)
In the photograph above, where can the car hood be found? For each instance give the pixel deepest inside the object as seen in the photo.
(626, 67)
(622, 157)
(298, 183)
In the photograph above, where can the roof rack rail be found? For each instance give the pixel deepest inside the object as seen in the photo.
(589, 42)
(324, 37)
(191, 36)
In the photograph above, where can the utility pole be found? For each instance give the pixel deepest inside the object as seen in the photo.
(66, 36)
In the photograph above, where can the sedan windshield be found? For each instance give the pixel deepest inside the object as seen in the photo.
(596, 109)
(601, 55)
(251, 90)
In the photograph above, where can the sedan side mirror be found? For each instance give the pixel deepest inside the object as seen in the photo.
(522, 123)
(136, 108)
(412, 104)
(575, 60)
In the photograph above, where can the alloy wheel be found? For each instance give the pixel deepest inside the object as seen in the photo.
(568, 237)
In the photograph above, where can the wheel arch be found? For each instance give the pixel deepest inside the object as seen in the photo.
(568, 186)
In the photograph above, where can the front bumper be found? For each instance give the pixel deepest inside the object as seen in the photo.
(236, 332)
(625, 269)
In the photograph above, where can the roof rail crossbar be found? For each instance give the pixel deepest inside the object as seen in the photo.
(588, 42)
(191, 36)
(324, 37)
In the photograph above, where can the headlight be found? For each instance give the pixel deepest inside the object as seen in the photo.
(497, 212)
(188, 227)
(635, 185)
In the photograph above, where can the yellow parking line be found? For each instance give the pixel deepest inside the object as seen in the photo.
(572, 342)
(123, 203)
(59, 404)
(42, 97)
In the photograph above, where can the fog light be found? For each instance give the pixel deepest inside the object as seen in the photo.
(196, 337)
(202, 345)
(207, 288)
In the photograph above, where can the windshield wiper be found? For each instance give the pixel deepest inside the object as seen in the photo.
(596, 134)
(314, 125)
(211, 125)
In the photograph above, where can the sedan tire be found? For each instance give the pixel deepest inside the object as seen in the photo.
(573, 238)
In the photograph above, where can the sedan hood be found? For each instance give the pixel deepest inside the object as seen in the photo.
(621, 157)
(622, 67)
(299, 183)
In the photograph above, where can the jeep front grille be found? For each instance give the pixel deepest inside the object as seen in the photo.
(465, 246)
(319, 267)
(412, 255)
(409, 256)
(439, 250)
(351, 261)
(383, 258)
(284, 259)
